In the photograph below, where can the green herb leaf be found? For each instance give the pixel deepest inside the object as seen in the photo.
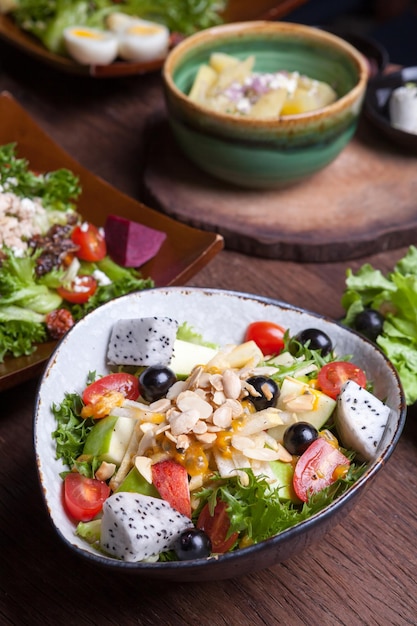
(256, 511)
(72, 430)
(395, 297)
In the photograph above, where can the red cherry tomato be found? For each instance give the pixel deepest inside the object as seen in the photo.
(316, 468)
(91, 243)
(332, 377)
(269, 337)
(81, 290)
(84, 496)
(216, 527)
(127, 384)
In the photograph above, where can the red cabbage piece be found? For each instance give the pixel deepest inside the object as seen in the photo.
(129, 243)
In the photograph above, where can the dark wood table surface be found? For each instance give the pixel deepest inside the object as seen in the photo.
(363, 572)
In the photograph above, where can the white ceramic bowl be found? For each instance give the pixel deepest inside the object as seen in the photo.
(222, 317)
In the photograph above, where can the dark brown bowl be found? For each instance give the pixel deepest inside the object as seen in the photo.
(222, 316)
(376, 106)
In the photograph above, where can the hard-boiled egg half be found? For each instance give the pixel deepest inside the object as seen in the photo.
(90, 46)
(139, 40)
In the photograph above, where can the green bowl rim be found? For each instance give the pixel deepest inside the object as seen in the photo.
(315, 34)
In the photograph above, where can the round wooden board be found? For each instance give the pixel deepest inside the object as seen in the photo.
(362, 203)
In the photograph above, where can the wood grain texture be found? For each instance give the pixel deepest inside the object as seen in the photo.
(363, 202)
(363, 573)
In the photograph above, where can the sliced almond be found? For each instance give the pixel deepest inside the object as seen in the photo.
(232, 386)
(200, 427)
(206, 438)
(144, 466)
(184, 422)
(191, 401)
(222, 416)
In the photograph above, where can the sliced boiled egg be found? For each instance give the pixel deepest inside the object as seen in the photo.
(90, 46)
(141, 41)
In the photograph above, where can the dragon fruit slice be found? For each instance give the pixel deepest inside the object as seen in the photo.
(135, 527)
(360, 419)
(142, 341)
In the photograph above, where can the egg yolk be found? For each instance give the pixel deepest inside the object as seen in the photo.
(143, 30)
(86, 33)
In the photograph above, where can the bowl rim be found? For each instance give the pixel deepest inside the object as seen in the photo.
(314, 33)
(286, 535)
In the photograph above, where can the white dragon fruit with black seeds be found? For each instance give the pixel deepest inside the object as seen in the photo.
(361, 419)
(136, 527)
(142, 341)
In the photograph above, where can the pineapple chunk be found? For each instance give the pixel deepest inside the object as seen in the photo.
(205, 78)
(269, 104)
(220, 61)
(314, 97)
(234, 73)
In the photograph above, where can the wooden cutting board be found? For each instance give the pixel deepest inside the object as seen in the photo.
(363, 202)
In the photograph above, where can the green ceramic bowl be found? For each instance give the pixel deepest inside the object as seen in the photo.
(274, 152)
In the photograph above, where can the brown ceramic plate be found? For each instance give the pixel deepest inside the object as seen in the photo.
(185, 251)
(24, 41)
(237, 10)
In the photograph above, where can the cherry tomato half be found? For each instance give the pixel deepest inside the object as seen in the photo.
(127, 384)
(269, 337)
(216, 527)
(332, 377)
(81, 290)
(91, 243)
(315, 469)
(84, 496)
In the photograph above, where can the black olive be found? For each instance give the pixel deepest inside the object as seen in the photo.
(316, 339)
(192, 544)
(268, 390)
(299, 436)
(155, 381)
(369, 323)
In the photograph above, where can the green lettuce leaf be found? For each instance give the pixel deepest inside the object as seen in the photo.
(395, 297)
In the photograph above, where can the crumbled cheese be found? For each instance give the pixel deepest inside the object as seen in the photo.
(101, 278)
(20, 219)
(79, 285)
(244, 95)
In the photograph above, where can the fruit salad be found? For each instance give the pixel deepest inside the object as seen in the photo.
(184, 450)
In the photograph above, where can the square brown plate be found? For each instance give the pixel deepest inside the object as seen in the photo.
(237, 10)
(185, 251)
(18, 38)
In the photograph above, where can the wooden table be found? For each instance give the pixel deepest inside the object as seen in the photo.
(364, 572)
